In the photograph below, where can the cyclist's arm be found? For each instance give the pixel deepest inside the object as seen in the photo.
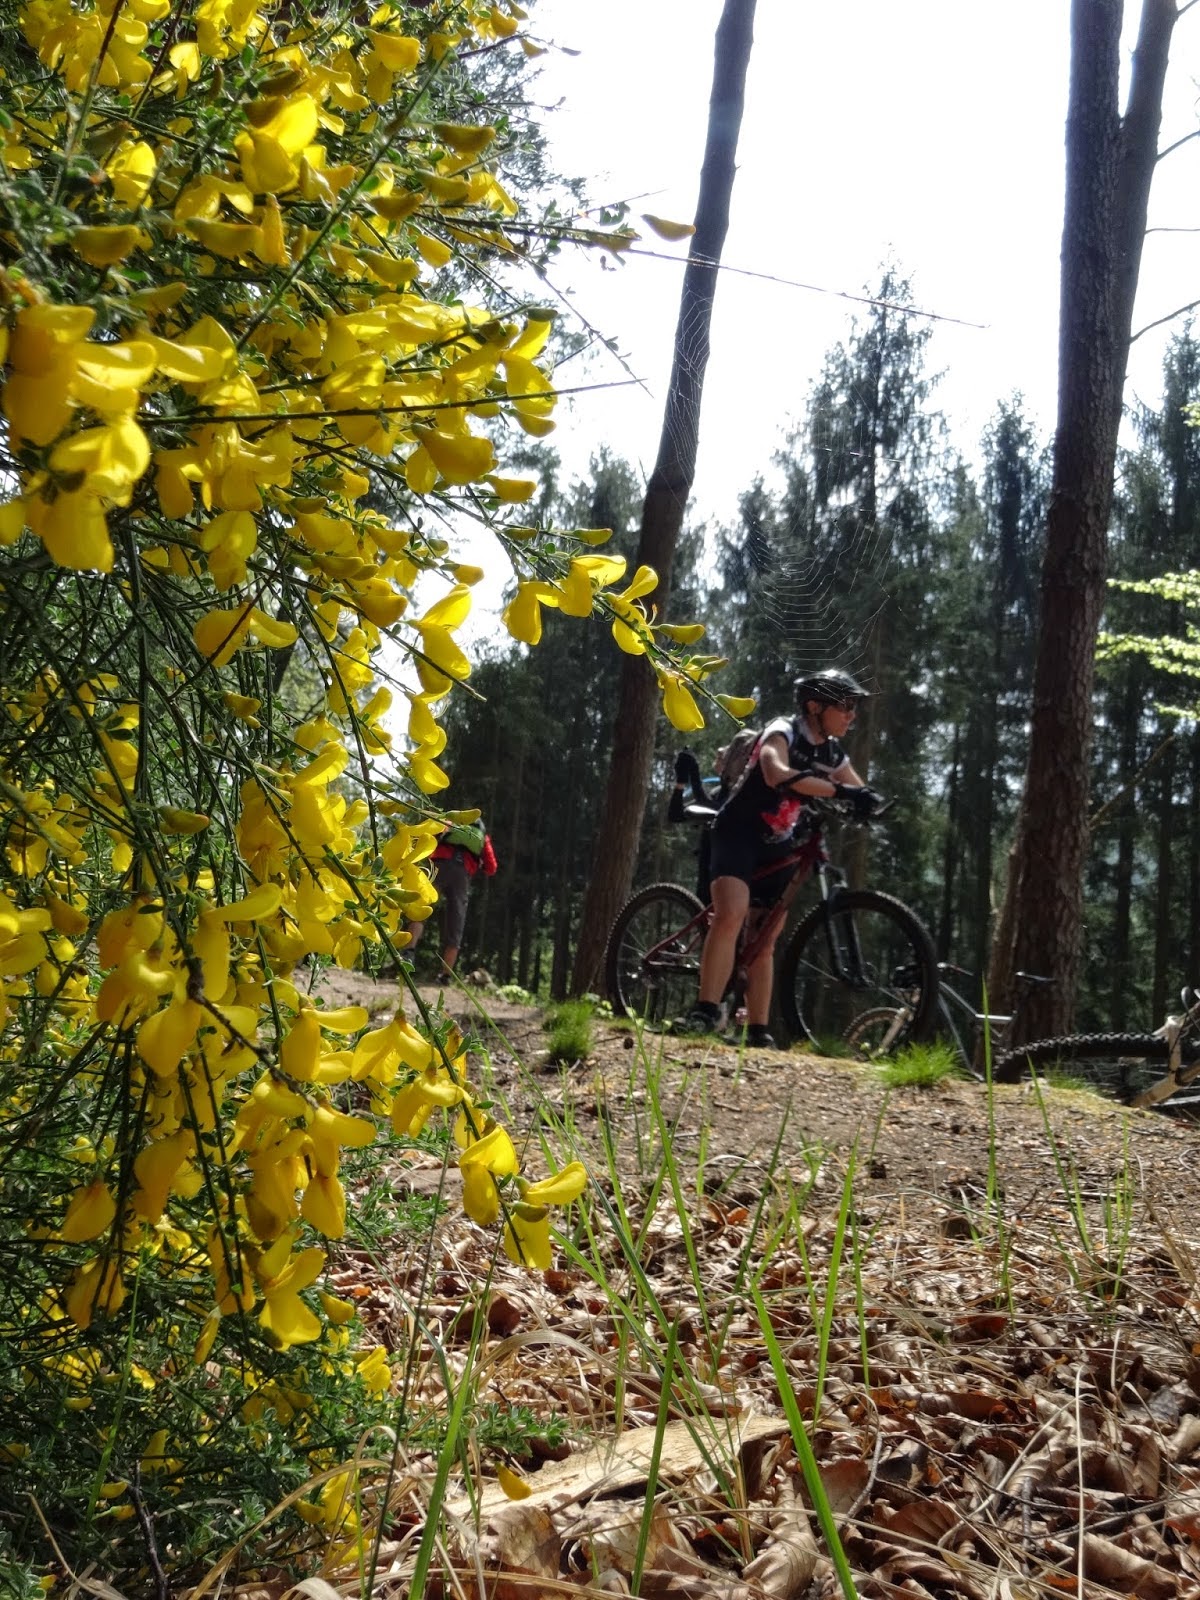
(773, 764)
(846, 774)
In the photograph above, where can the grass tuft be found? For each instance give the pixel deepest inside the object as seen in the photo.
(569, 1025)
(920, 1066)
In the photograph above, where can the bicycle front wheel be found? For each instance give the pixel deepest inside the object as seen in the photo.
(1120, 1065)
(652, 960)
(860, 967)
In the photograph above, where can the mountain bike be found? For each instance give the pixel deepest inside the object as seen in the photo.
(1160, 1070)
(855, 952)
(956, 1020)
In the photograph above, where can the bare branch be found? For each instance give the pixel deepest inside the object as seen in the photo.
(1195, 133)
(1170, 317)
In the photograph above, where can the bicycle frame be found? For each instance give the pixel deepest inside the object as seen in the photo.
(763, 924)
(995, 1023)
(949, 998)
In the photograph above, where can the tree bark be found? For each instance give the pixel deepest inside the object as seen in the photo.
(667, 495)
(951, 853)
(1110, 164)
(1166, 936)
(1127, 767)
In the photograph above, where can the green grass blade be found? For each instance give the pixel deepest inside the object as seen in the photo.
(804, 1450)
(660, 1425)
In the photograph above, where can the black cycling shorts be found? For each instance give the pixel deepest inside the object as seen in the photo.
(738, 854)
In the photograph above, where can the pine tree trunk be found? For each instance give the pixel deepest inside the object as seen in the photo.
(1166, 941)
(508, 927)
(950, 852)
(1122, 964)
(667, 496)
(1110, 163)
(984, 820)
(561, 964)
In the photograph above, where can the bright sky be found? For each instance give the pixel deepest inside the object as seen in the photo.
(931, 130)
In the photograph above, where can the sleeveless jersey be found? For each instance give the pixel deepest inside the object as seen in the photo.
(774, 817)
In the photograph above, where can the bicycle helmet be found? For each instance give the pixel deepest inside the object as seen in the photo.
(830, 687)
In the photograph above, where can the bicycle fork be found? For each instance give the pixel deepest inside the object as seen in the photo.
(841, 933)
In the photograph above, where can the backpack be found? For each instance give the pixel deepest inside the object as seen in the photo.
(466, 836)
(737, 756)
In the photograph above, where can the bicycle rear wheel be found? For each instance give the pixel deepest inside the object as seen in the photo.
(854, 958)
(872, 1035)
(1119, 1065)
(652, 960)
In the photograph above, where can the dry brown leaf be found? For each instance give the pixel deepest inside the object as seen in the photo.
(1185, 1441)
(313, 1589)
(521, 1537)
(620, 1463)
(914, 1573)
(1183, 1513)
(710, 1585)
(923, 1522)
(609, 1535)
(1117, 1568)
(785, 1568)
(844, 1480)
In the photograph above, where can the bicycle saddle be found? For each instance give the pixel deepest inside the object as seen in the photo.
(694, 812)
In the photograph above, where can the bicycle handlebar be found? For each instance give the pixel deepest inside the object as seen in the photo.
(702, 815)
(843, 810)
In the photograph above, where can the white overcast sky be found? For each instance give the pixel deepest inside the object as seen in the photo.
(930, 131)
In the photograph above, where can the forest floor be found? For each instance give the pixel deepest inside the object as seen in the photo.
(991, 1309)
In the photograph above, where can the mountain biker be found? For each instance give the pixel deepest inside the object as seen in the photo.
(795, 757)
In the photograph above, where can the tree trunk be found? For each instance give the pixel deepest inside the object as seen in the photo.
(667, 495)
(1110, 163)
(560, 965)
(1166, 937)
(984, 818)
(950, 853)
(1122, 962)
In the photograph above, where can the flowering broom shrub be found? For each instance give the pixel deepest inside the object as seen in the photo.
(241, 252)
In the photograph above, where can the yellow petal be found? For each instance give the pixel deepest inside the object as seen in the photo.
(101, 247)
(512, 1483)
(173, 820)
(324, 1206)
(89, 1214)
(344, 1019)
(666, 229)
(481, 1198)
(257, 906)
(558, 1190)
(459, 457)
(681, 709)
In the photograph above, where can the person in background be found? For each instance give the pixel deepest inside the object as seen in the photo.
(460, 853)
(794, 760)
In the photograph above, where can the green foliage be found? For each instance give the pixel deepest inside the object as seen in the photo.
(530, 752)
(1176, 656)
(920, 1066)
(515, 995)
(569, 1025)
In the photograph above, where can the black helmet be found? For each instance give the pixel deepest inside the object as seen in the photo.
(831, 687)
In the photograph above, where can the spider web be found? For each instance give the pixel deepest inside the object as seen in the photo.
(816, 576)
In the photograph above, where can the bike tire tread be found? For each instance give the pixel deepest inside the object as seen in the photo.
(1012, 1065)
(635, 903)
(862, 899)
